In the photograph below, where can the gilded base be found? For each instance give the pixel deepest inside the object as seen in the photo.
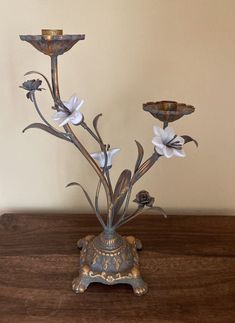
(109, 259)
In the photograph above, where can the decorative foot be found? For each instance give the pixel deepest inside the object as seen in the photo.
(80, 283)
(139, 287)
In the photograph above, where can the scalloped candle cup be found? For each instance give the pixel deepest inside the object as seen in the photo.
(52, 42)
(168, 111)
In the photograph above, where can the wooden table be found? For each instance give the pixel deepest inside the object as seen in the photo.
(188, 262)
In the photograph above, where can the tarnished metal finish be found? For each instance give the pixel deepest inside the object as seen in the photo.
(168, 111)
(52, 44)
(109, 259)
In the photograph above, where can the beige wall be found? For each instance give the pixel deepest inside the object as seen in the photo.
(135, 51)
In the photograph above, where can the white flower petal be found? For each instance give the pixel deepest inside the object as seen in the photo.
(72, 103)
(179, 139)
(179, 153)
(113, 151)
(64, 122)
(95, 156)
(79, 105)
(169, 133)
(74, 100)
(76, 117)
(100, 156)
(156, 140)
(168, 152)
(58, 115)
(159, 132)
(68, 105)
(162, 137)
(159, 149)
(110, 154)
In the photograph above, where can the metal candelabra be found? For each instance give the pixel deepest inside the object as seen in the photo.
(107, 258)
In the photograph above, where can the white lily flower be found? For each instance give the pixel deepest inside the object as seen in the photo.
(100, 157)
(75, 117)
(167, 143)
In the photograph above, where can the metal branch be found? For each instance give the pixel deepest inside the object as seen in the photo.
(85, 126)
(76, 142)
(38, 110)
(103, 148)
(42, 117)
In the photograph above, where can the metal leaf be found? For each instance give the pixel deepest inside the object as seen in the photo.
(97, 196)
(95, 124)
(121, 189)
(85, 193)
(47, 129)
(145, 167)
(140, 155)
(138, 211)
(189, 139)
(130, 217)
(160, 210)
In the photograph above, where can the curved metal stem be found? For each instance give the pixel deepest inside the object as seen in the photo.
(76, 142)
(33, 97)
(38, 110)
(85, 126)
(103, 148)
(165, 124)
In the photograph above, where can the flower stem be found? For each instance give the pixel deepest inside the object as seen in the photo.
(85, 126)
(38, 110)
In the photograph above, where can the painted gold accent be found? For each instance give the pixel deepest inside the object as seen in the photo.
(52, 32)
(135, 272)
(85, 270)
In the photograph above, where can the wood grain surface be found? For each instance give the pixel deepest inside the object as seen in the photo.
(187, 261)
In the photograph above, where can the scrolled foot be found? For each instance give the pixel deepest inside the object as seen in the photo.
(138, 244)
(134, 242)
(84, 241)
(140, 288)
(79, 285)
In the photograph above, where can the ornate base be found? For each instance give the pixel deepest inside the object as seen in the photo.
(109, 259)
